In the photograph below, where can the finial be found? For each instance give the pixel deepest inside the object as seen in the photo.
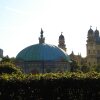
(96, 28)
(41, 31)
(41, 39)
(90, 26)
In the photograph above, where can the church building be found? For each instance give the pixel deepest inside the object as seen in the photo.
(93, 48)
(43, 58)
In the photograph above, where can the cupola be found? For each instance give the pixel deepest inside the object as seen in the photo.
(96, 33)
(61, 36)
(90, 31)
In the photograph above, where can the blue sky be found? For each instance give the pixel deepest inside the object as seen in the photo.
(21, 21)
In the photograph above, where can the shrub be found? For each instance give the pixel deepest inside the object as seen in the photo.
(8, 68)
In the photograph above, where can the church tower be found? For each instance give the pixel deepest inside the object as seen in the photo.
(41, 38)
(62, 42)
(93, 48)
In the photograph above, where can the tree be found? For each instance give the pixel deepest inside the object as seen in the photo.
(97, 68)
(74, 66)
(6, 59)
(85, 68)
(9, 68)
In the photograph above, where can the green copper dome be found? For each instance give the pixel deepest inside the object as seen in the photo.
(42, 52)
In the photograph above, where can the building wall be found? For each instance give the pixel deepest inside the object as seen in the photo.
(44, 67)
(91, 54)
(93, 50)
(62, 44)
(1, 53)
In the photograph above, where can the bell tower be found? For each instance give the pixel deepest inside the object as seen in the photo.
(62, 42)
(91, 48)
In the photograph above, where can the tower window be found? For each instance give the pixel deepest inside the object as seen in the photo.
(94, 51)
(88, 51)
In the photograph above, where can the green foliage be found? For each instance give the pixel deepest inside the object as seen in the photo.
(51, 76)
(7, 59)
(85, 68)
(50, 86)
(74, 66)
(8, 68)
(97, 68)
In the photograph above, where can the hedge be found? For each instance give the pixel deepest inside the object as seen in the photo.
(52, 86)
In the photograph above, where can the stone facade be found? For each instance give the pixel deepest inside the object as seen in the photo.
(62, 44)
(78, 59)
(93, 48)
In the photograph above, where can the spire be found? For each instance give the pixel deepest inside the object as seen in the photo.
(41, 38)
(61, 36)
(90, 26)
(90, 32)
(80, 54)
(96, 33)
(72, 53)
(61, 33)
(41, 33)
(96, 28)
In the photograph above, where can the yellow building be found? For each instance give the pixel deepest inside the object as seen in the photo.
(93, 48)
(77, 58)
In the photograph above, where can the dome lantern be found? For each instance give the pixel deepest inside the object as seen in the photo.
(62, 44)
(61, 36)
(41, 38)
(90, 31)
(96, 33)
